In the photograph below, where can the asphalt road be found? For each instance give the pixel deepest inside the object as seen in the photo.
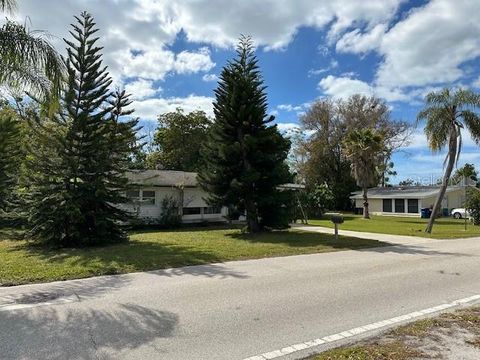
(234, 310)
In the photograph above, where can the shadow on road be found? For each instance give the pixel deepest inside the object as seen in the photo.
(413, 250)
(52, 333)
(210, 270)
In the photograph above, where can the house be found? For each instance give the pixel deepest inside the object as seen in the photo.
(149, 187)
(408, 200)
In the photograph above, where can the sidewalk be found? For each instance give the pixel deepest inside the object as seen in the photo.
(392, 239)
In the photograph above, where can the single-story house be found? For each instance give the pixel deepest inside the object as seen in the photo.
(408, 200)
(149, 187)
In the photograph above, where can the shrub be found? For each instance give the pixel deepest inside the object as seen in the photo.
(170, 216)
(472, 205)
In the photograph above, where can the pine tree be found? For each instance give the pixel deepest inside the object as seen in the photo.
(245, 154)
(76, 170)
(9, 153)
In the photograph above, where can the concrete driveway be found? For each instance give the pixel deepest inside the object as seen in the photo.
(235, 310)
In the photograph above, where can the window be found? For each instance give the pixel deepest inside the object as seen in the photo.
(387, 205)
(133, 195)
(212, 210)
(399, 205)
(413, 206)
(148, 197)
(191, 211)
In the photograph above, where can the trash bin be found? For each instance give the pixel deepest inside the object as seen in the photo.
(425, 213)
(445, 212)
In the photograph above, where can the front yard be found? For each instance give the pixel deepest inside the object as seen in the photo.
(444, 228)
(23, 263)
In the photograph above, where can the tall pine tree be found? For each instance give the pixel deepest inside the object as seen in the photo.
(245, 153)
(76, 170)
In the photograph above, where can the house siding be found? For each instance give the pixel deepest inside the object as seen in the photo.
(188, 197)
(453, 199)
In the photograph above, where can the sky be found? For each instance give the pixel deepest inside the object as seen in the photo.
(169, 53)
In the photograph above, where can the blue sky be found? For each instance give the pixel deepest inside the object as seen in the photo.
(168, 54)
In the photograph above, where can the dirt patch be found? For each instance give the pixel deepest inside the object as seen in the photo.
(449, 336)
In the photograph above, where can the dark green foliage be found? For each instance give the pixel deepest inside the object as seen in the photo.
(178, 140)
(76, 169)
(319, 200)
(473, 205)
(10, 149)
(170, 216)
(465, 175)
(245, 154)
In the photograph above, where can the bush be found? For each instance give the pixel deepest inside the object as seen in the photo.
(170, 216)
(472, 205)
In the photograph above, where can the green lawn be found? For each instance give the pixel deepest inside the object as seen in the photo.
(444, 228)
(149, 250)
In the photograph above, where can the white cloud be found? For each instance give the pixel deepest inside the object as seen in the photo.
(151, 108)
(476, 83)
(156, 63)
(357, 42)
(289, 107)
(142, 89)
(209, 77)
(430, 44)
(288, 129)
(343, 87)
(191, 62)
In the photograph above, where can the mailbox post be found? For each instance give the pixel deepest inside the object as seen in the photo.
(336, 219)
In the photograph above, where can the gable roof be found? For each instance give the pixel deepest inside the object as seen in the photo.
(415, 192)
(162, 178)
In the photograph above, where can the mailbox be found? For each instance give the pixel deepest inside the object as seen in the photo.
(337, 219)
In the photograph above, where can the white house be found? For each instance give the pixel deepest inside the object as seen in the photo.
(409, 200)
(149, 187)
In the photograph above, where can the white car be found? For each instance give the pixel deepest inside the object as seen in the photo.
(460, 213)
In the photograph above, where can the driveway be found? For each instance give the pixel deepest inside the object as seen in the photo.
(236, 310)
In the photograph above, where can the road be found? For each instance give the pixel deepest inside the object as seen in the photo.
(234, 310)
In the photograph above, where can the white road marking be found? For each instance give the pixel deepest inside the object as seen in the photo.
(359, 330)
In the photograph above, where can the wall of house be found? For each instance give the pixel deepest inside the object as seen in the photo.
(376, 207)
(453, 199)
(195, 208)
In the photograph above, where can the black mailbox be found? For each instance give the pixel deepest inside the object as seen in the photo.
(337, 219)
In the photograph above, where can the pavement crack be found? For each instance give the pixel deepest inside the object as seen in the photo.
(93, 341)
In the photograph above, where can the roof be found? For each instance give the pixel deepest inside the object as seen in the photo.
(162, 178)
(169, 178)
(418, 192)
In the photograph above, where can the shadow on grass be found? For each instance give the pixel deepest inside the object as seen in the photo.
(11, 234)
(308, 239)
(59, 333)
(133, 256)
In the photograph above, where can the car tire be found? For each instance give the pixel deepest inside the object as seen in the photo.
(457, 215)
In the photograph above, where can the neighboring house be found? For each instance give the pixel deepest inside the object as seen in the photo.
(408, 200)
(150, 187)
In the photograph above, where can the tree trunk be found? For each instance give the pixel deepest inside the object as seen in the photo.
(452, 156)
(252, 217)
(366, 212)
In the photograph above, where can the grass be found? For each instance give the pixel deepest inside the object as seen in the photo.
(23, 263)
(444, 228)
(406, 342)
(389, 351)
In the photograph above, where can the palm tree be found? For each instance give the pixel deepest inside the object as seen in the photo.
(28, 62)
(365, 149)
(446, 113)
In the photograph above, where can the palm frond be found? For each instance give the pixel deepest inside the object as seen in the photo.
(28, 61)
(8, 6)
(472, 123)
